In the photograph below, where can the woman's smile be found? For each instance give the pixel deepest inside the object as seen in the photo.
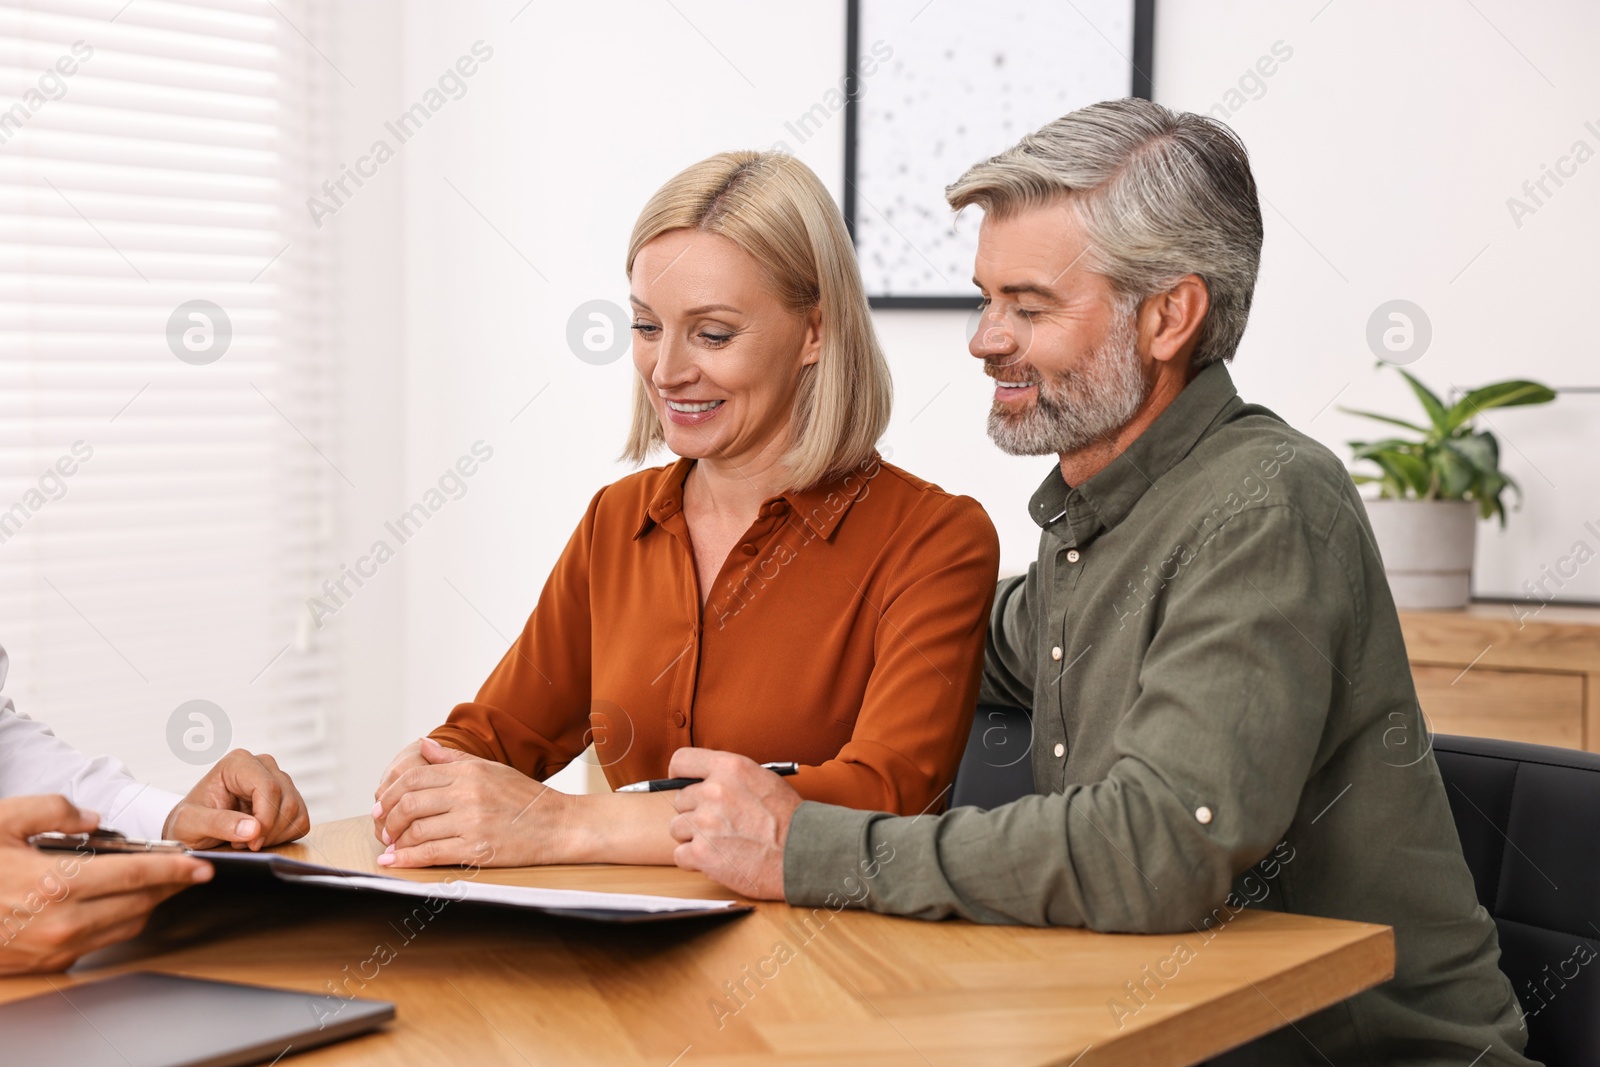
(692, 412)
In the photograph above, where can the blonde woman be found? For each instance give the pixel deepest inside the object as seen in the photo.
(778, 591)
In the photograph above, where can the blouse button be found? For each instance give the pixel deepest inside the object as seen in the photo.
(1202, 815)
(678, 719)
(1073, 556)
(779, 507)
(1055, 653)
(1061, 750)
(748, 549)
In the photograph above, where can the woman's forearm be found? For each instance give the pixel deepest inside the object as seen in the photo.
(622, 828)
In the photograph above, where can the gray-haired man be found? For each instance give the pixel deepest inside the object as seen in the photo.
(1207, 640)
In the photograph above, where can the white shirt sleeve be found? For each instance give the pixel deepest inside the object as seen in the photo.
(33, 760)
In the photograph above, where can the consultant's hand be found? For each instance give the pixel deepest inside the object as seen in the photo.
(458, 809)
(60, 905)
(732, 825)
(245, 800)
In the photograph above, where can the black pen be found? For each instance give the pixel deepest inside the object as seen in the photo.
(661, 785)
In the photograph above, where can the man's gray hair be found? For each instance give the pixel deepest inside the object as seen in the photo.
(1160, 194)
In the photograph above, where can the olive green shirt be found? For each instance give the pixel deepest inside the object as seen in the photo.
(1223, 717)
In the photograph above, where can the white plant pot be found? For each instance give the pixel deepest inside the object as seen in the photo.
(1427, 548)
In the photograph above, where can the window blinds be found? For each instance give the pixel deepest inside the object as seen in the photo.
(168, 446)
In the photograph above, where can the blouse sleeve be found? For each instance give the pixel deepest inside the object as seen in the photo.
(533, 712)
(928, 660)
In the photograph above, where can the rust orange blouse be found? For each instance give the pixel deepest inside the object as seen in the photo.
(845, 631)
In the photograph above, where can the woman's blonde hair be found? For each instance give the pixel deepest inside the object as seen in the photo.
(772, 206)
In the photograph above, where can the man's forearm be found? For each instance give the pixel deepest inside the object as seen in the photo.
(1044, 860)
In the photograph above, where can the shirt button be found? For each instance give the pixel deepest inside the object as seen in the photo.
(748, 549)
(1061, 750)
(1073, 556)
(678, 719)
(1202, 815)
(778, 507)
(1055, 653)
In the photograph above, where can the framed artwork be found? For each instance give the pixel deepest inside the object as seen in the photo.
(935, 86)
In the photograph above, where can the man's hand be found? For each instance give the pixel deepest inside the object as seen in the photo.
(458, 809)
(60, 905)
(245, 800)
(733, 825)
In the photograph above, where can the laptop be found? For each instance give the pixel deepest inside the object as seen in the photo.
(146, 1019)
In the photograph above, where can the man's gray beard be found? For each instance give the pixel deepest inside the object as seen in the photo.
(1078, 408)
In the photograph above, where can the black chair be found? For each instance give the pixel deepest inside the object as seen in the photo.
(997, 766)
(1529, 821)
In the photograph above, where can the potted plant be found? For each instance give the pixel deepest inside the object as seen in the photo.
(1432, 489)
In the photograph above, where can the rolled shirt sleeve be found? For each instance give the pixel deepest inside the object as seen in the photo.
(1213, 754)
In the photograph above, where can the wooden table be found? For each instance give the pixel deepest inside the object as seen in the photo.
(487, 986)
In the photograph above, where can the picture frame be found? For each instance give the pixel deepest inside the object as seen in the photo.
(929, 93)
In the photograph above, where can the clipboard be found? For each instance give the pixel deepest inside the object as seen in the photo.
(586, 904)
(591, 905)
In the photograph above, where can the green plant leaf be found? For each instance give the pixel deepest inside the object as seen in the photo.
(1511, 484)
(1491, 443)
(1450, 460)
(1407, 471)
(1489, 502)
(1499, 395)
(1456, 473)
(1384, 418)
(1479, 450)
(1430, 403)
(1367, 449)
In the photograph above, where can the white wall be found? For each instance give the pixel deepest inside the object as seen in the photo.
(1386, 146)
(368, 287)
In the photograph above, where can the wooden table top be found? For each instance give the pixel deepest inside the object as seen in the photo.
(781, 985)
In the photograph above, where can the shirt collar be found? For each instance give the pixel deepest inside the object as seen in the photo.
(1078, 514)
(665, 498)
(821, 507)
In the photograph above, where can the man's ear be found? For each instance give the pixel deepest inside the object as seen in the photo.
(811, 350)
(1169, 321)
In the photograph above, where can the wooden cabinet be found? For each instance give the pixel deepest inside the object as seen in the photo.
(1538, 707)
(1487, 672)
